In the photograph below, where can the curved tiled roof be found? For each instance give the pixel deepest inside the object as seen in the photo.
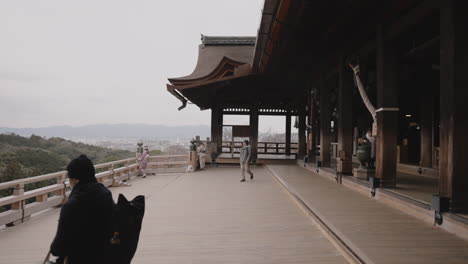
(213, 50)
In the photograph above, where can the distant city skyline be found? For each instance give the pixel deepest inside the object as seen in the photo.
(107, 61)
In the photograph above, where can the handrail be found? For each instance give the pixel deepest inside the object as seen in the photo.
(56, 193)
(262, 147)
(261, 142)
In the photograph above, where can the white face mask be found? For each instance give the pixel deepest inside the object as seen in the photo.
(73, 182)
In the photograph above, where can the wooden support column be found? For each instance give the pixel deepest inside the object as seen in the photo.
(288, 133)
(387, 112)
(325, 124)
(345, 112)
(302, 135)
(427, 120)
(453, 181)
(253, 121)
(217, 129)
(312, 124)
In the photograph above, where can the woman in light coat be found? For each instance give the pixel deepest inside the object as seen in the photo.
(143, 162)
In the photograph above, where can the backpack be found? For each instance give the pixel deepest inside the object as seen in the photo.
(126, 226)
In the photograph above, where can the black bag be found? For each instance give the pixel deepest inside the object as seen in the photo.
(126, 227)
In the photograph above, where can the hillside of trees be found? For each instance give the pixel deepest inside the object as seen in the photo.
(22, 157)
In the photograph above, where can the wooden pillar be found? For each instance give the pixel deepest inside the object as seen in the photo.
(288, 133)
(453, 167)
(325, 124)
(387, 112)
(302, 134)
(217, 129)
(427, 120)
(253, 120)
(345, 112)
(312, 124)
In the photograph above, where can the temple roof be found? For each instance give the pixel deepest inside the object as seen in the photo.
(217, 52)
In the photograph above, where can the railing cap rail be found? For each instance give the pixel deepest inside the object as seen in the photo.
(12, 184)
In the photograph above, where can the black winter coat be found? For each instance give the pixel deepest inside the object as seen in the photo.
(84, 225)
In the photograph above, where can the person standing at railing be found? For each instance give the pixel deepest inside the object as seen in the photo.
(139, 153)
(143, 162)
(84, 223)
(245, 154)
(201, 150)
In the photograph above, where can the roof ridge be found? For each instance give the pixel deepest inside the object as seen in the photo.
(228, 40)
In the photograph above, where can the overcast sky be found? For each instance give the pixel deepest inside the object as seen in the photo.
(107, 61)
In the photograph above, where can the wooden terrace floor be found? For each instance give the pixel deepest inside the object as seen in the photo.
(203, 217)
(377, 232)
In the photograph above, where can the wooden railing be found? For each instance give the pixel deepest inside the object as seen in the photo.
(273, 148)
(22, 204)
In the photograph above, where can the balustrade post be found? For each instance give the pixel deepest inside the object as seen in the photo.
(127, 164)
(19, 190)
(63, 191)
(113, 174)
(42, 198)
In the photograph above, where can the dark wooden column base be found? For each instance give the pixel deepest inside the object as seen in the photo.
(386, 165)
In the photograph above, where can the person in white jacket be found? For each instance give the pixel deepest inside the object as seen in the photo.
(143, 162)
(245, 154)
(202, 155)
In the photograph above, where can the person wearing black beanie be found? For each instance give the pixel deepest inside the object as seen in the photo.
(81, 169)
(84, 223)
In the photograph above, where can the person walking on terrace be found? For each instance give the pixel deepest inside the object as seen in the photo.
(202, 155)
(143, 162)
(371, 139)
(85, 219)
(245, 154)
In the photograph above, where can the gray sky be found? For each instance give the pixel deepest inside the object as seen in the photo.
(107, 61)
